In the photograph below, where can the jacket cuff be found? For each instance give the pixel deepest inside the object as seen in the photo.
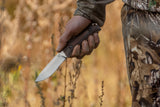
(93, 11)
(90, 16)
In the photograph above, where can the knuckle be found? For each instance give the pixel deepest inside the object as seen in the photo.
(90, 37)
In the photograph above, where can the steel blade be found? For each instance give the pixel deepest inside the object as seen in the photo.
(52, 66)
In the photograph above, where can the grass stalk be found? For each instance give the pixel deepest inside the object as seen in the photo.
(102, 94)
(65, 86)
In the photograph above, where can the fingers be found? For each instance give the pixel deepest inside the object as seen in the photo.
(96, 38)
(79, 53)
(76, 51)
(63, 41)
(87, 46)
(91, 42)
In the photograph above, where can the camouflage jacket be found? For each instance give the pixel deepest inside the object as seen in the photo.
(95, 9)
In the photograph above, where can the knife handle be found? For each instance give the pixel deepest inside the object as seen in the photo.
(92, 28)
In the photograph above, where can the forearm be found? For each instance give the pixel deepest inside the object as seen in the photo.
(92, 10)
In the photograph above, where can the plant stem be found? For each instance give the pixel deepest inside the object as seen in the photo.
(65, 86)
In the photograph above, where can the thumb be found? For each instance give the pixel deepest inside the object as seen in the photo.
(63, 41)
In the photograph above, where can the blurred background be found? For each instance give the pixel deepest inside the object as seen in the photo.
(29, 34)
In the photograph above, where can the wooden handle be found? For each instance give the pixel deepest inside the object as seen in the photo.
(92, 28)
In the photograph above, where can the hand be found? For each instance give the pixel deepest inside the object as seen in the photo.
(76, 25)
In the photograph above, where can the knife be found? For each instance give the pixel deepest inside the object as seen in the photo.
(53, 65)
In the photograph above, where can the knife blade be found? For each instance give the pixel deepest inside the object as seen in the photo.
(53, 65)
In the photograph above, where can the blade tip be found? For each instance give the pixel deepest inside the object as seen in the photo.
(37, 80)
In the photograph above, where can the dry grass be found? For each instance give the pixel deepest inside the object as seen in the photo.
(29, 33)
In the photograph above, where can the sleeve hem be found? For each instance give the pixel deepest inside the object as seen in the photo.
(89, 16)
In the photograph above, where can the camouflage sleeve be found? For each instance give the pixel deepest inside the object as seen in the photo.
(93, 10)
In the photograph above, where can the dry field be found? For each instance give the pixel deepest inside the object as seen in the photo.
(29, 33)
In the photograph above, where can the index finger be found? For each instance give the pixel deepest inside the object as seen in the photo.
(66, 36)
